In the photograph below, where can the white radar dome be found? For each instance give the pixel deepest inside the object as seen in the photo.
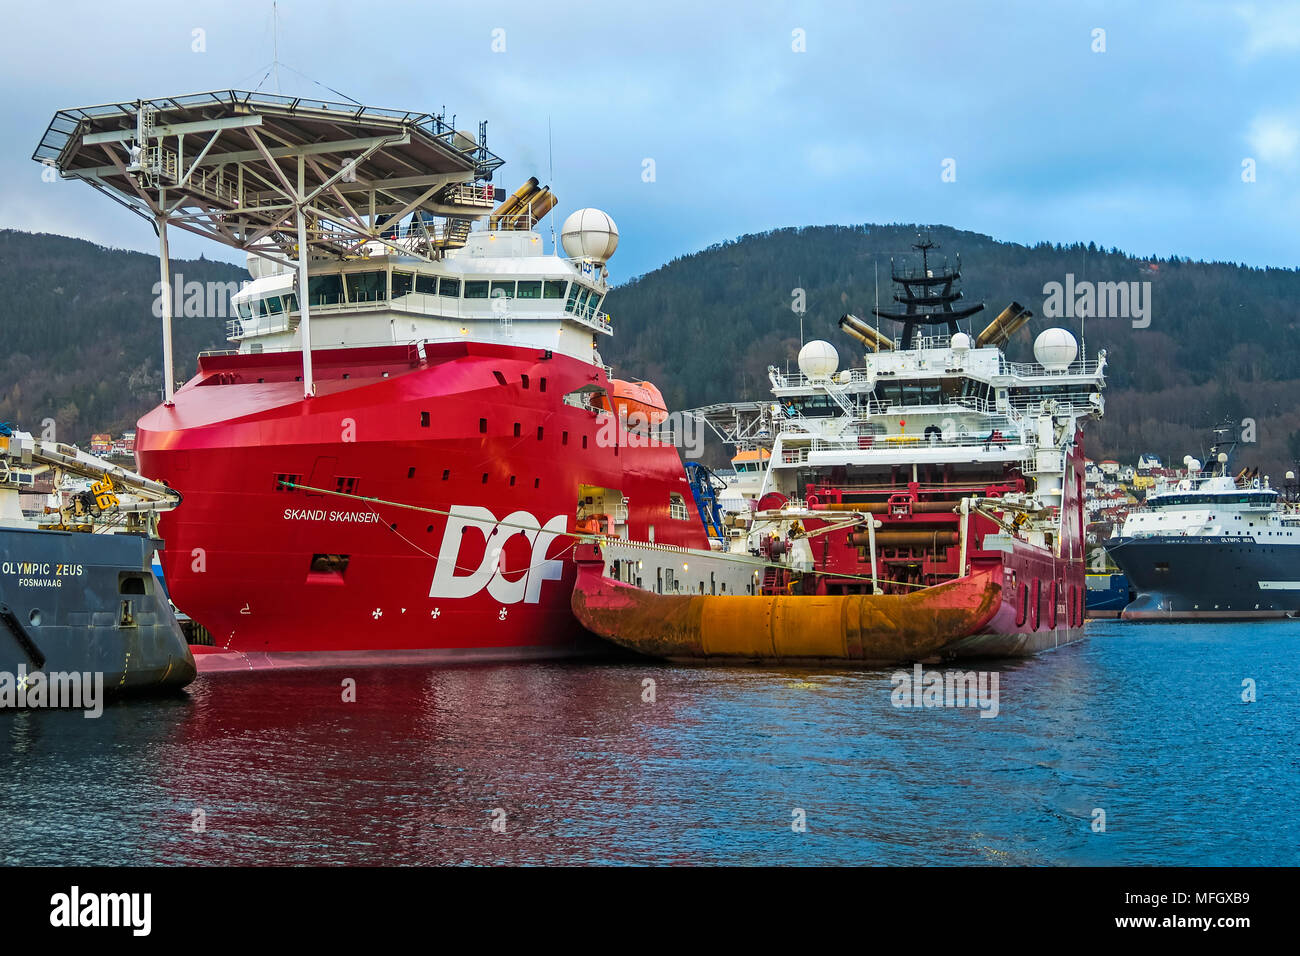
(1055, 349)
(818, 359)
(960, 342)
(589, 234)
(260, 267)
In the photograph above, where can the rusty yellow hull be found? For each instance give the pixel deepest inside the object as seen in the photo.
(858, 629)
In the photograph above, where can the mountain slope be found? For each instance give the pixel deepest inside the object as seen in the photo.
(1222, 340)
(80, 342)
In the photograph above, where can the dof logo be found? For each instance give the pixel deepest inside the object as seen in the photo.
(466, 521)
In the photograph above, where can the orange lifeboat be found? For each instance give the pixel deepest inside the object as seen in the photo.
(595, 524)
(641, 399)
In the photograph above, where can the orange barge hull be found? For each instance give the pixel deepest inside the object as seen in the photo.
(862, 629)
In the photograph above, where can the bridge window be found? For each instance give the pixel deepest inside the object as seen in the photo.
(449, 288)
(403, 283)
(530, 289)
(244, 311)
(273, 306)
(366, 286)
(812, 406)
(476, 290)
(574, 289)
(553, 289)
(325, 290)
(425, 285)
(506, 289)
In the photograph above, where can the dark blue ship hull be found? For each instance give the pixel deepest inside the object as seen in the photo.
(74, 602)
(1218, 578)
(1107, 595)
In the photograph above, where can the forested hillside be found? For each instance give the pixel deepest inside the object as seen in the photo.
(80, 341)
(1223, 340)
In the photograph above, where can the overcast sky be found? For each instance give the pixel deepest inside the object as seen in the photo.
(1140, 146)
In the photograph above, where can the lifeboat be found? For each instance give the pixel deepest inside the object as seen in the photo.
(641, 399)
(862, 629)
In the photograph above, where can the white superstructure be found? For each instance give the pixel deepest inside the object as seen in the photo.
(1215, 505)
(942, 404)
(502, 285)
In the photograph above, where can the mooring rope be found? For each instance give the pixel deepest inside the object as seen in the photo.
(582, 536)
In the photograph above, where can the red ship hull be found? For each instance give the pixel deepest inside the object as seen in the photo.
(1016, 598)
(1012, 604)
(480, 436)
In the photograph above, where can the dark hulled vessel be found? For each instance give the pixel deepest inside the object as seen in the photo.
(1213, 547)
(77, 591)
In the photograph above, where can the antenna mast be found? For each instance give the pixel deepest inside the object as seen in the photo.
(275, 42)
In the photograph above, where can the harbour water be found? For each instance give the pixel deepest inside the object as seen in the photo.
(1144, 722)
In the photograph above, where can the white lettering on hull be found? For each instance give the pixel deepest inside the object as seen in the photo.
(338, 517)
(528, 587)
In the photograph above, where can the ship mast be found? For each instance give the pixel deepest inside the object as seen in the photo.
(928, 295)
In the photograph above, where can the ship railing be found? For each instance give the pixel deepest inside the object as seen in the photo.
(592, 320)
(366, 344)
(236, 331)
(469, 194)
(916, 273)
(941, 341)
(1034, 370)
(994, 440)
(857, 376)
(948, 405)
(862, 407)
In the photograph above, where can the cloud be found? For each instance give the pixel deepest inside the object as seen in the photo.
(1275, 139)
(1270, 28)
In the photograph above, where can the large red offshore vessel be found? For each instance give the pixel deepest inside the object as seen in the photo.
(925, 505)
(391, 463)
